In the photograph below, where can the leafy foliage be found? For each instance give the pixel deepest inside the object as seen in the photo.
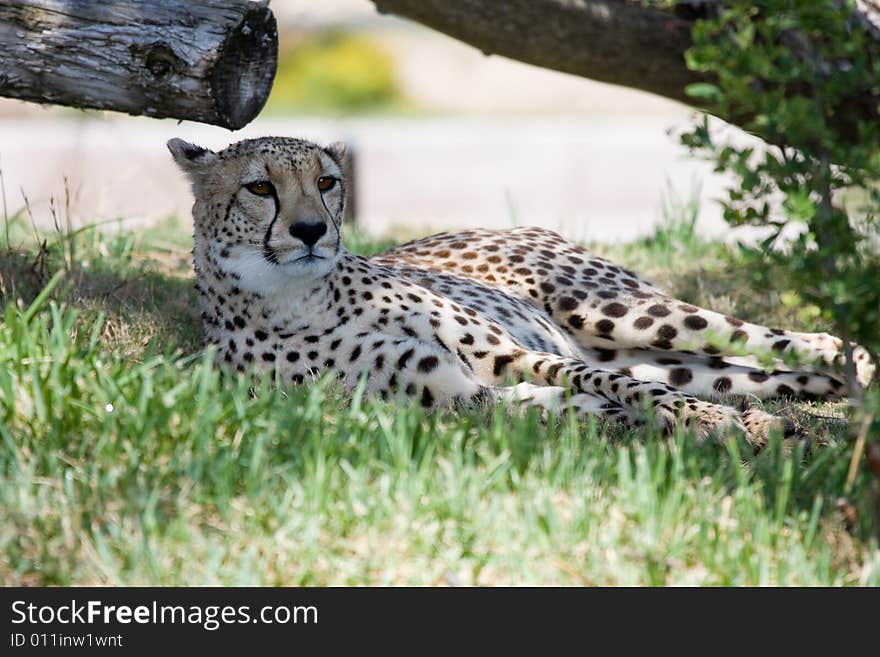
(792, 71)
(789, 70)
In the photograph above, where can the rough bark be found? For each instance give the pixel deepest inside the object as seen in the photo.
(211, 61)
(634, 43)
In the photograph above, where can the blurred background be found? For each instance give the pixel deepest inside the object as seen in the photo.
(443, 136)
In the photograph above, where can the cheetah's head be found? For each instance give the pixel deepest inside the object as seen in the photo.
(268, 209)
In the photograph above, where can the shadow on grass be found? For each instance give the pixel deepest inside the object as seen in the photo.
(147, 307)
(145, 292)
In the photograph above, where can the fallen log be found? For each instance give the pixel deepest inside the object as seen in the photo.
(211, 61)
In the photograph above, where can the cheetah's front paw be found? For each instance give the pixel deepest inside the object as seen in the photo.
(760, 425)
(706, 419)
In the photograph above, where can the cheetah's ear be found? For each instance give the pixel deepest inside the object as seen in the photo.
(337, 150)
(194, 160)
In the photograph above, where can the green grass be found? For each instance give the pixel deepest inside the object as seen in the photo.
(125, 458)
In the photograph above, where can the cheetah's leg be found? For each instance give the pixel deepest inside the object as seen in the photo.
(433, 378)
(669, 406)
(557, 400)
(430, 376)
(391, 366)
(662, 323)
(713, 376)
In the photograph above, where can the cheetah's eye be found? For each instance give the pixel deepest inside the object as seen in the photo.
(326, 183)
(260, 187)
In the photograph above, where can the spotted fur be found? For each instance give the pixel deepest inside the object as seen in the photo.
(520, 315)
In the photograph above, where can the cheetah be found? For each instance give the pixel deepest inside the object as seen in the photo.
(521, 316)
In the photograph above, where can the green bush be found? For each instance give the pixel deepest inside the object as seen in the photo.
(788, 70)
(334, 72)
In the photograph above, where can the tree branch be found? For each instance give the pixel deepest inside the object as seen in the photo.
(626, 42)
(614, 41)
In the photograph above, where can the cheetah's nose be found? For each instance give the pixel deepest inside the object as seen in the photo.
(308, 233)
